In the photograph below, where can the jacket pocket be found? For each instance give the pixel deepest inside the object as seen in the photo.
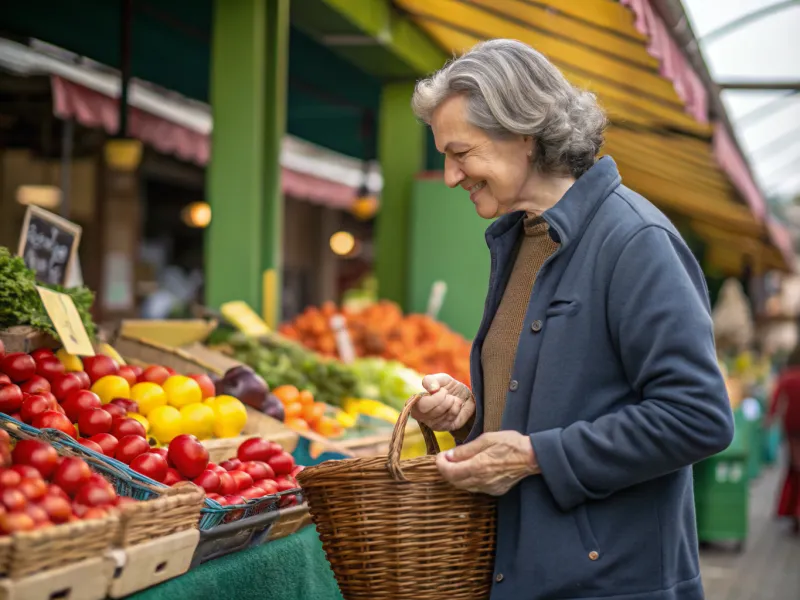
(584, 526)
(565, 308)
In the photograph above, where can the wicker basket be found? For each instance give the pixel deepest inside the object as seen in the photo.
(399, 531)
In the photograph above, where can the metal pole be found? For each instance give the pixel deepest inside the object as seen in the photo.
(125, 64)
(67, 134)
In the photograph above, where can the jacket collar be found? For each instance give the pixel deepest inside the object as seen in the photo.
(570, 215)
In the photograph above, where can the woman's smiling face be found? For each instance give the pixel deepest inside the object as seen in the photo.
(493, 170)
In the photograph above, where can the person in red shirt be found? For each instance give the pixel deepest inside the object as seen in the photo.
(786, 406)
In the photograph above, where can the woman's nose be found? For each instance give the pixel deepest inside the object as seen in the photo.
(453, 175)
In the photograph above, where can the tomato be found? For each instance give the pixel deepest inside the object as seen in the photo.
(242, 479)
(107, 442)
(130, 447)
(13, 522)
(97, 367)
(35, 385)
(208, 480)
(93, 494)
(128, 374)
(137, 370)
(206, 385)
(268, 486)
(93, 446)
(257, 470)
(252, 493)
(71, 474)
(78, 401)
(18, 366)
(188, 455)
(93, 421)
(154, 374)
(51, 419)
(10, 398)
(54, 490)
(172, 477)
(129, 406)
(231, 464)
(49, 368)
(83, 377)
(10, 478)
(58, 509)
(234, 499)
(257, 449)
(127, 426)
(62, 385)
(32, 406)
(227, 484)
(27, 470)
(161, 452)
(282, 463)
(115, 410)
(33, 488)
(150, 465)
(39, 455)
(13, 499)
(5, 378)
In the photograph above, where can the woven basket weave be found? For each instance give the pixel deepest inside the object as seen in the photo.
(397, 530)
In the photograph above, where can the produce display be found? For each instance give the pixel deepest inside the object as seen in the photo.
(381, 330)
(20, 303)
(389, 381)
(302, 413)
(39, 488)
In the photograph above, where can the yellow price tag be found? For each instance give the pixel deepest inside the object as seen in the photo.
(244, 318)
(62, 312)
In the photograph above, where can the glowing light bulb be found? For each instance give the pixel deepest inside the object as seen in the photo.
(197, 214)
(342, 243)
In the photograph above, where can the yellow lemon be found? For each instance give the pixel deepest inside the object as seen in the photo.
(165, 423)
(230, 416)
(145, 423)
(182, 391)
(197, 420)
(148, 396)
(70, 361)
(110, 387)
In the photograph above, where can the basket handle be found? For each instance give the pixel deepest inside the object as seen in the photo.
(396, 443)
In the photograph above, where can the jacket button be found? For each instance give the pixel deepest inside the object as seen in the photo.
(536, 326)
(593, 555)
(513, 385)
(499, 577)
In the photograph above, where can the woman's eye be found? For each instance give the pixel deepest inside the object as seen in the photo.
(460, 155)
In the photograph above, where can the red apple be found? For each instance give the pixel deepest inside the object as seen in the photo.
(130, 447)
(172, 477)
(137, 370)
(83, 377)
(93, 421)
(150, 465)
(227, 484)
(29, 471)
(107, 442)
(257, 449)
(71, 474)
(242, 479)
(42, 354)
(98, 479)
(128, 374)
(97, 367)
(127, 426)
(51, 419)
(78, 401)
(35, 385)
(188, 455)
(282, 463)
(62, 385)
(10, 398)
(49, 368)
(128, 405)
(5, 378)
(206, 385)
(268, 486)
(208, 480)
(33, 488)
(10, 478)
(32, 406)
(12, 522)
(39, 455)
(214, 497)
(115, 410)
(231, 464)
(91, 494)
(58, 509)
(252, 493)
(13, 499)
(257, 470)
(154, 374)
(94, 446)
(18, 366)
(161, 452)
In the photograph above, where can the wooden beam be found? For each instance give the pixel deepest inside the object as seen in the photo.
(760, 85)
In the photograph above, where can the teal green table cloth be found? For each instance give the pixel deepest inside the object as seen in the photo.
(292, 568)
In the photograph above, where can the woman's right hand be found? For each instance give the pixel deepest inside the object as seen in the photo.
(448, 406)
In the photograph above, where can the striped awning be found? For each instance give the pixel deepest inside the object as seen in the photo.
(660, 135)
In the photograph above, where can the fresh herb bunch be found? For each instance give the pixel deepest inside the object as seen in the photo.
(20, 303)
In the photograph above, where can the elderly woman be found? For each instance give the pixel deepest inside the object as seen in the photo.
(595, 384)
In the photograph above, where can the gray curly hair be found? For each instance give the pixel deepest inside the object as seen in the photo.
(512, 89)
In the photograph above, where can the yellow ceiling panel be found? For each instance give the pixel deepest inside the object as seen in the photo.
(607, 14)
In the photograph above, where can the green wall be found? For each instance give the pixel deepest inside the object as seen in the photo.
(446, 242)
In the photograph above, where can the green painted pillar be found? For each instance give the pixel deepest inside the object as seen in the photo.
(248, 99)
(401, 150)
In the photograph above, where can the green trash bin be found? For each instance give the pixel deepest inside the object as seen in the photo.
(721, 490)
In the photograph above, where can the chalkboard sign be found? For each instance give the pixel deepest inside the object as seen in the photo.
(48, 244)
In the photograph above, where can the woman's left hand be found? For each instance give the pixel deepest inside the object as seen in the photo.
(493, 463)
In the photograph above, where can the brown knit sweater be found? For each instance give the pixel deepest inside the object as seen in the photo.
(500, 347)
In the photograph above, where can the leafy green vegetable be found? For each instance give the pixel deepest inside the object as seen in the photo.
(20, 303)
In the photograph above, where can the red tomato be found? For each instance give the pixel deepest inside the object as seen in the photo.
(127, 426)
(92, 421)
(231, 464)
(33, 405)
(206, 385)
(234, 499)
(33, 488)
(62, 385)
(97, 367)
(10, 398)
(130, 447)
(98, 479)
(137, 370)
(5, 378)
(115, 410)
(58, 509)
(252, 493)
(107, 442)
(18, 366)
(227, 484)
(94, 446)
(35, 385)
(296, 470)
(256, 449)
(13, 522)
(54, 490)
(268, 486)
(10, 478)
(257, 470)
(212, 496)
(28, 471)
(71, 474)
(217, 468)
(150, 465)
(42, 354)
(13, 499)
(128, 405)
(128, 374)
(39, 455)
(93, 494)
(51, 419)
(154, 374)
(172, 477)
(171, 371)
(188, 455)
(282, 463)
(49, 368)
(78, 401)
(242, 479)
(161, 452)
(208, 480)
(83, 377)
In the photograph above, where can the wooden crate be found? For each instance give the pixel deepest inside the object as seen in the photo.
(22, 338)
(150, 563)
(85, 580)
(291, 520)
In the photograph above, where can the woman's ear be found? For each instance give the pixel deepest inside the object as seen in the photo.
(528, 141)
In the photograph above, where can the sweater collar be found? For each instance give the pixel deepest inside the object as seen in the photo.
(570, 215)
